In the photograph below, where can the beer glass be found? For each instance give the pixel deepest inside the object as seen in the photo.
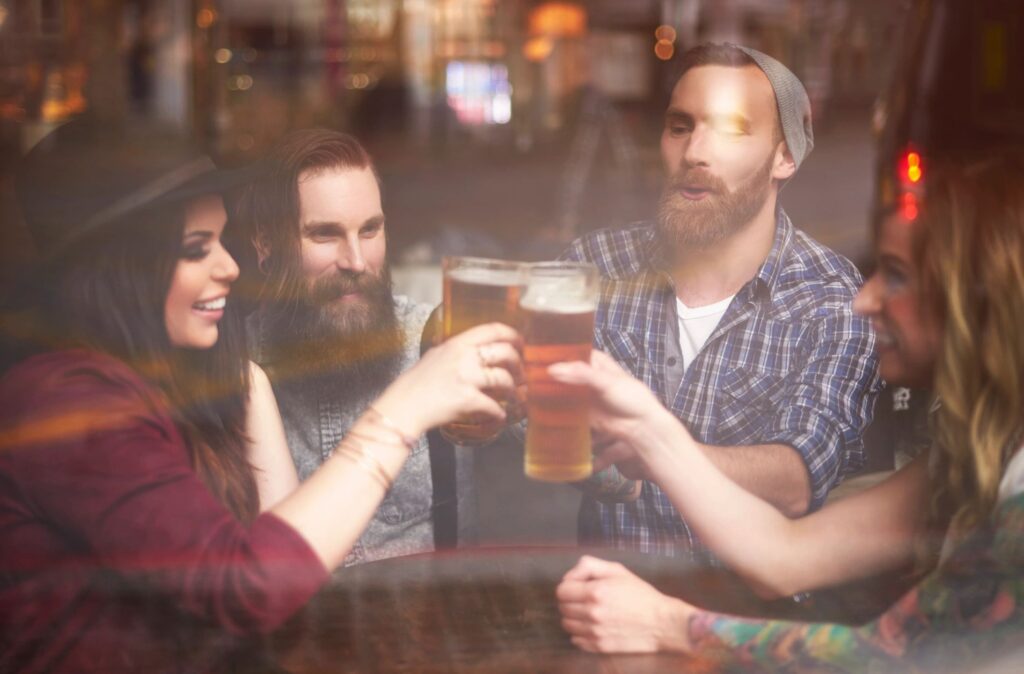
(557, 309)
(477, 291)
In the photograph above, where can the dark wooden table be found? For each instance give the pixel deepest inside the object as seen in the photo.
(492, 610)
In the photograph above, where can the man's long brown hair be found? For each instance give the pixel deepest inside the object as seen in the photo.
(267, 211)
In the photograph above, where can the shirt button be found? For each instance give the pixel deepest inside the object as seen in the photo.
(671, 362)
(391, 514)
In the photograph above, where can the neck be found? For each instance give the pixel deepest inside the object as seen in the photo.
(709, 274)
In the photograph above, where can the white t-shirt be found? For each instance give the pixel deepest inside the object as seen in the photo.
(696, 325)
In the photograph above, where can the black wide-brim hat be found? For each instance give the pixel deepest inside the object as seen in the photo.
(86, 177)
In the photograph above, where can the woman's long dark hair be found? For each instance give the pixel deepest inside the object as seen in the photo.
(109, 295)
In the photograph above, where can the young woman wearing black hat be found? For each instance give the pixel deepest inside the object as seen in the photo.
(132, 440)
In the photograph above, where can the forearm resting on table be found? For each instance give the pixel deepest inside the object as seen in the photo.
(957, 619)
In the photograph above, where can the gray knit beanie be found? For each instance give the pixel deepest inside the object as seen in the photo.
(794, 105)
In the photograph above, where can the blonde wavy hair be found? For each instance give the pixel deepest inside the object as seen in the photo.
(971, 252)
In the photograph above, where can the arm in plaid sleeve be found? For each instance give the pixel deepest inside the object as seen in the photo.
(608, 485)
(954, 619)
(829, 403)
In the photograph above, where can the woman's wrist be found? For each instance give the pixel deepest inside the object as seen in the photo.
(656, 437)
(395, 405)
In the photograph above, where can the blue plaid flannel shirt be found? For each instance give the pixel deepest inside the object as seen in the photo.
(789, 363)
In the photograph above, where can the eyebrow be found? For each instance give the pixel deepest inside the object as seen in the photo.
(740, 120)
(677, 115)
(736, 118)
(201, 234)
(889, 258)
(308, 227)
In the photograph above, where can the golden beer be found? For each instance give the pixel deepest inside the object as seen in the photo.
(478, 291)
(558, 326)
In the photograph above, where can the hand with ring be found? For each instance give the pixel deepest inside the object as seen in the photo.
(464, 375)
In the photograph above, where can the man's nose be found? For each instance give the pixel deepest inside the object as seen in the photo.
(350, 256)
(696, 152)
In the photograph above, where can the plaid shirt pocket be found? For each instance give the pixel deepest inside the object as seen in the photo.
(748, 402)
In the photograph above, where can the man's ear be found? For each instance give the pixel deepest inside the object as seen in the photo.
(783, 165)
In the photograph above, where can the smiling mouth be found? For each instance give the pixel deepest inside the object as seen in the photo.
(211, 305)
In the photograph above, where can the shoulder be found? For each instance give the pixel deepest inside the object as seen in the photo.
(621, 251)
(412, 316)
(74, 392)
(76, 370)
(816, 279)
(258, 379)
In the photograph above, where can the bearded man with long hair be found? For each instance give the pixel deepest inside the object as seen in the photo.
(331, 334)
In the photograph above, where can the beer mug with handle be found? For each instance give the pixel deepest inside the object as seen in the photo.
(477, 291)
(557, 314)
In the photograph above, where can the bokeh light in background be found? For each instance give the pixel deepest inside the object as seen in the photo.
(500, 128)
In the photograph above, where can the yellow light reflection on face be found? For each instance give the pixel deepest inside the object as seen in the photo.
(726, 99)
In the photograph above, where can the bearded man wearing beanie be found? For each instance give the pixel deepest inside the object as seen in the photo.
(738, 321)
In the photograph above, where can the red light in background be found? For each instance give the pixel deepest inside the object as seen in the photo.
(914, 172)
(910, 168)
(908, 206)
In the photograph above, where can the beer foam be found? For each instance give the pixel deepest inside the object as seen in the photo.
(553, 304)
(560, 293)
(487, 277)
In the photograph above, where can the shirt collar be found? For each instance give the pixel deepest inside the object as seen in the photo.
(767, 276)
(764, 281)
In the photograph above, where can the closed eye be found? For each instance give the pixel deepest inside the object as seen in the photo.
(323, 232)
(196, 245)
(370, 230)
(677, 123)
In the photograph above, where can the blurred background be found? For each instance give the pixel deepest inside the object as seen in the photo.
(501, 128)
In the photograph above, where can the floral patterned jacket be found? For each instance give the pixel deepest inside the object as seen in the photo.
(962, 615)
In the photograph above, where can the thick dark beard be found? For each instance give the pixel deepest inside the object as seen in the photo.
(702, 224)
(349, 351)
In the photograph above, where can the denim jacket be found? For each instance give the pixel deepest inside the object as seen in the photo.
(315, 423)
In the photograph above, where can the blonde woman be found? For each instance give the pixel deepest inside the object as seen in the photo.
(947, 303)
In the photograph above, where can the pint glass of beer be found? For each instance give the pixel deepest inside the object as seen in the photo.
(477, 291)
(558, 308)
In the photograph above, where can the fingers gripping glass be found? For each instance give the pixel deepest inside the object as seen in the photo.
(478, 291)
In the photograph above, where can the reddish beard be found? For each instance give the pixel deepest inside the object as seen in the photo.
(330, 315)
(318, 332)
(723, 212)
